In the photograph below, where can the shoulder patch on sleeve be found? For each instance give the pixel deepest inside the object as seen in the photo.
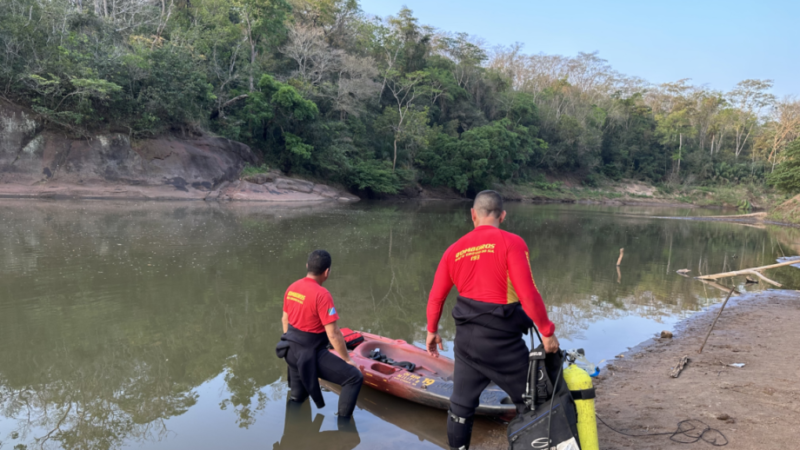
(332, 311)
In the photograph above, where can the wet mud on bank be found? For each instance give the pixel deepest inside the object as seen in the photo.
(755, 406)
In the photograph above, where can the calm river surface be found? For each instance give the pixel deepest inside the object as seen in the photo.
(153, 325)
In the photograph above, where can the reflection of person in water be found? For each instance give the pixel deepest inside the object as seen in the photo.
(300, 432)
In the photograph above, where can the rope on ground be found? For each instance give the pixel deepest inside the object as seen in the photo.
(688, 432)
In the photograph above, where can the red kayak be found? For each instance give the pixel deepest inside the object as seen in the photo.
(404, 370)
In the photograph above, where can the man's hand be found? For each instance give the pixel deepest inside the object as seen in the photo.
(550, 344)
(432, 342)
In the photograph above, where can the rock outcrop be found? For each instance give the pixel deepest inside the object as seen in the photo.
(38, 162)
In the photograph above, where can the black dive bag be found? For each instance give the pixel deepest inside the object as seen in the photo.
(548, 419)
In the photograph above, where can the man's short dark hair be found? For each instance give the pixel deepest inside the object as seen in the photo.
(318, 262)
(488, 202)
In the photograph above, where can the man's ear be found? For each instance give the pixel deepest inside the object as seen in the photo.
(502, 216)
(473, 214)
(327, 272)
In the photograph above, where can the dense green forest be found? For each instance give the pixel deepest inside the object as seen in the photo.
(321, 88)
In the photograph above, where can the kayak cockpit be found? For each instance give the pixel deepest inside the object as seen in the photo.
(399, 350)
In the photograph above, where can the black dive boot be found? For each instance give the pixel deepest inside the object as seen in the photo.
(459, 431)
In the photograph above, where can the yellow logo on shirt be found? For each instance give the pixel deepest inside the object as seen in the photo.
(294, 296)
(474, 253)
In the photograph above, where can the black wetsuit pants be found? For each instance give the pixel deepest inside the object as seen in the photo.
(468, 385)
(330, 368)
(488, 348)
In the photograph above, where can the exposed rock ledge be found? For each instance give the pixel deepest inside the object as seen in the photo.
(40, 163)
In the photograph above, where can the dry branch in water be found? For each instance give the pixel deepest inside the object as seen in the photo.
(752, 271)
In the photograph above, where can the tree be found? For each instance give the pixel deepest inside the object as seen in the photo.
(279, 109)
(263, 27)
(786, 176)
(783, 128)
(338, 19)
(314, 58)
(673, 127)
(707, 105)
(85, 90)
(719, 128)
(355, 86)
(749, 97)
(404, 91)
(630, 148)
(467, 54)
(479, 157)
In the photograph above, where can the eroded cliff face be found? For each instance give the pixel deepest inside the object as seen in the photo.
(38, 162)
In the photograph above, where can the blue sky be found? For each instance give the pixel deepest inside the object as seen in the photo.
(715, 43)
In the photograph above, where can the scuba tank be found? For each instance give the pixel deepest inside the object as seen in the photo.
(578, 358)
(579, 383)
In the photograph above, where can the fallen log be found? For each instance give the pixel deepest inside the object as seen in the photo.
(751, 271)
(774, 283)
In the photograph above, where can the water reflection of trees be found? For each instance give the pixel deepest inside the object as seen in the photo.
(111, 318)
(106, 336)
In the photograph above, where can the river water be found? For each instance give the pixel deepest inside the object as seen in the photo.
(153, 325)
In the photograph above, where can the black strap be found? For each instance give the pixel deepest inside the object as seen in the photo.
(544, 385)
(535, 365)
(585, 394)
(456, 418)
(537, 335)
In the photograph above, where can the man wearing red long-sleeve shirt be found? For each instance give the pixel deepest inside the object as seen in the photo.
(497, 303)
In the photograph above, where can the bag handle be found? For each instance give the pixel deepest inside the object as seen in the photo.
(535, 330)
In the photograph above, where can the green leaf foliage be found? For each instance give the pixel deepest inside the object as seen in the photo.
(786, 176)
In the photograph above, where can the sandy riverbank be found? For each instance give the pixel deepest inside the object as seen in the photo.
(761, 400)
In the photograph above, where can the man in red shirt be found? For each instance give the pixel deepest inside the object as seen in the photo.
(496, 302)
(309, 324)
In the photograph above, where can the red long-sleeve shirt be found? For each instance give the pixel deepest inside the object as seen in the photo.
(488, 265)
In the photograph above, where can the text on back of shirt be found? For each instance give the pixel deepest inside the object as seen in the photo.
(299, 298)
(474, 253)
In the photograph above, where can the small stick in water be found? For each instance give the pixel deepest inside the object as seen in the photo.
(715, 319)
(621, 254)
